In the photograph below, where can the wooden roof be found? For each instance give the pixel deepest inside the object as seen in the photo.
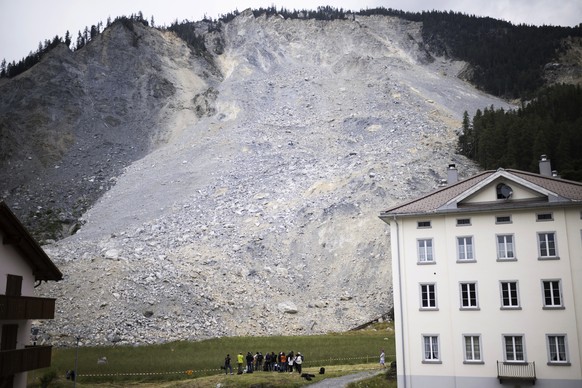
(16, 234)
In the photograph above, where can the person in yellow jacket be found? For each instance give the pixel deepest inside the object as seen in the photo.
(240, 359)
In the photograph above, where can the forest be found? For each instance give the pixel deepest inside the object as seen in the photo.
(549, 124)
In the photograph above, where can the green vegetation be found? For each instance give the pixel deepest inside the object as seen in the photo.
(198, 363)
(550, 124)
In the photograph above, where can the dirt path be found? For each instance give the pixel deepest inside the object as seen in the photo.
(343, 381)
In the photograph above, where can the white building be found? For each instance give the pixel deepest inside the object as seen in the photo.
(23, 266)
(487, 278)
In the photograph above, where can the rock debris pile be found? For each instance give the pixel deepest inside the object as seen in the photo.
(258, 212)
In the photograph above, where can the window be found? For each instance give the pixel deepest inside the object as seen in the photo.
(552, 294)
(428, 296)
(544, 217)
(503, 220)
(425, 251)
(504, 191)
(431, 348)
(557, 353)
(505, 249)
(465, 249)
(547, 245)
(13, 285)
(463, 221)
(423, 224)
(514, 348)
(509, 295)
(469, 295)
(472, 348)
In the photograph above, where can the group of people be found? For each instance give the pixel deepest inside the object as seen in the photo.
(270, 362)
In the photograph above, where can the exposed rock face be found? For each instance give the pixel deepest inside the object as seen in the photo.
(247, 183)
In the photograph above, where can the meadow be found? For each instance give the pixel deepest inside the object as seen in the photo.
(198, 364)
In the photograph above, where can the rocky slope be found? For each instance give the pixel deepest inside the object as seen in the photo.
(238, 192)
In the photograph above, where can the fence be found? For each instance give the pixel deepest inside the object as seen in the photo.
(201, 372)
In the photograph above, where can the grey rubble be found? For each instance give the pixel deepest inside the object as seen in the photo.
(254, 211)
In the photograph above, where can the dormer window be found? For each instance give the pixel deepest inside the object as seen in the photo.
(504, 191)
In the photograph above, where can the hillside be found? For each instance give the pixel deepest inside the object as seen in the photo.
(237, 192)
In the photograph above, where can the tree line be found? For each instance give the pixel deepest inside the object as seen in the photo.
(549, 124)
(12, 69)
(506, 60)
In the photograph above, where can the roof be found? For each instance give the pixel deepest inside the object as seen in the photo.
(17, 235)
(450, 198)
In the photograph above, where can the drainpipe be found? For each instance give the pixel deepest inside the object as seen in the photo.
(401, 311)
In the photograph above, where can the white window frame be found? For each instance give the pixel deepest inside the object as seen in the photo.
(472, 349)
(464, 289)
(431, 353)
(555, 291)
(557, 350)
(463, 222)
(499, 221)
(511, 351)
(505, 247)
(425, 253)
(544, 244)
(431, 302)
(465, 249)
(510, 306)
(540, 217)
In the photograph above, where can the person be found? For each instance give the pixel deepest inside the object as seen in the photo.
(298, 362)
(383, 359)
(227, 365)
(260, 361)
(290, 361)
(282, 362)
(250, 359)
(239, 360)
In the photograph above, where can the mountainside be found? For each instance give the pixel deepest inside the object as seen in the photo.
(237, 191)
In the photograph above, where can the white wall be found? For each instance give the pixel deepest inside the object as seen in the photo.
(489, 321)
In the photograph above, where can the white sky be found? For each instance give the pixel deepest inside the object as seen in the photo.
(25, 23)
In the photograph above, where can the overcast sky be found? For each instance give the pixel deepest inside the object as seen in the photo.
(25, 23)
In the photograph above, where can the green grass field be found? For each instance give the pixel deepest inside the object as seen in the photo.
(197, 364)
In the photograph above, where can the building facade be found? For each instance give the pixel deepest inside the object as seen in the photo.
(487, 279)
(23, 266)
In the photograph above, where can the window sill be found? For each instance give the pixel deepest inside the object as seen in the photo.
(470, 309)
(428, 309)
(510, 308)
(466, 261)
(544, 258)
(555, 363)
(553, 308)
(474, 362)
(432, 362)
(426, 262)
(510, 259)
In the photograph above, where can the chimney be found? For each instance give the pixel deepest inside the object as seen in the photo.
(545, 166)
(452, 174)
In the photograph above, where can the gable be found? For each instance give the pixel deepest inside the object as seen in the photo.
(480, 191)
(16, 235)
(503, 189)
